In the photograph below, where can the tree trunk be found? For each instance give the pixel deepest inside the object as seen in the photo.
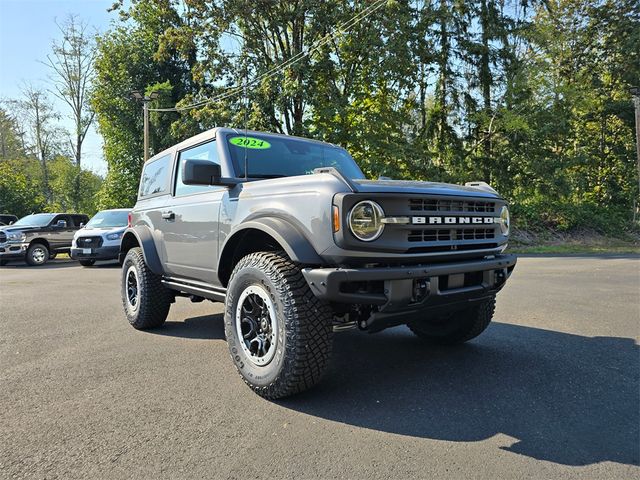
(485, 81)
(76, 187)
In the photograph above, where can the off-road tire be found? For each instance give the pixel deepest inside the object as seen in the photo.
(34, 252)
(87, 263)
(153, 298)
(304, 340)
(458, 327)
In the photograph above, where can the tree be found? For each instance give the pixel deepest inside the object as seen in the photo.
(72, 61)
(43, 136)
(19, 194)
(129, 58)
(529, 96)
(11, 139)
(63, 185)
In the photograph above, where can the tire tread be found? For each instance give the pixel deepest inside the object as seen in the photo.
(154, 304)
(307, 323)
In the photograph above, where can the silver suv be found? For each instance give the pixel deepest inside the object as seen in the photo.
(289, 234)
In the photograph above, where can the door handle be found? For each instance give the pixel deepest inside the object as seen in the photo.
(168, 215)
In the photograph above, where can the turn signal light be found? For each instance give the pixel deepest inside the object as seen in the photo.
(336, 219)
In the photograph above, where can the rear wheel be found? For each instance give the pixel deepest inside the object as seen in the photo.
(87, 263)
(37, 254)
(145, 300)
(457, 327)
(279, 334)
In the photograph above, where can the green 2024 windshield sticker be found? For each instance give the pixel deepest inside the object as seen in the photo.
(250, 142)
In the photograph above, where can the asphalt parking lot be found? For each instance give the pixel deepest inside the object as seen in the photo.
(550, 390)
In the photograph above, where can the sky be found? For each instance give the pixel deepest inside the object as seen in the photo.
(27, 28)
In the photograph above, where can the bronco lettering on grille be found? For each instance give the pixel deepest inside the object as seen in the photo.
(451, 220)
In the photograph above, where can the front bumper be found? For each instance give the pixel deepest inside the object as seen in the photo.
(10, 250)
(99, 253)
(403, 294)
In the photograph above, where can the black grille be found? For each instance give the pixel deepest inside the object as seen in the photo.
(452, 248)
(89, 242)
(3, 237)
(447, 235)
(445, 205)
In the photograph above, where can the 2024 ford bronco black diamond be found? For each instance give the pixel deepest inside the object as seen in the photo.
(289, 234)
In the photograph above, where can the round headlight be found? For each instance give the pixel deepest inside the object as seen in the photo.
(505, 220)
(365, 220)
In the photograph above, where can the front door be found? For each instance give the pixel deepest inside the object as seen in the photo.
(60, 236)
(191, 222)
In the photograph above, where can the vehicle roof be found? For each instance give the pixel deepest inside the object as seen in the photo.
(115, 210)
(57, 213)
(213, 132)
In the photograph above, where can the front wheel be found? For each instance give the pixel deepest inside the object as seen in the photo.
(458, 327)
(37, 254)
(279, 334)
(145, 300)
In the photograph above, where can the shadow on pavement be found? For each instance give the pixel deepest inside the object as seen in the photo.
(205, 327)
(51, 264)
(564, 398)
(106, 264)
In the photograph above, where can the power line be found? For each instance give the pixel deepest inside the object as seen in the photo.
(232, 91)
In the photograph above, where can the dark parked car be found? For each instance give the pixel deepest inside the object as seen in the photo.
(37, 238)
(6, 219)
(289, 234)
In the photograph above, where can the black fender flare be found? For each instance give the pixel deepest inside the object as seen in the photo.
(294, 243)
(144, 239)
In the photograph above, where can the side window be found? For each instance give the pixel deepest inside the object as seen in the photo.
(155, 177)
(205, 151)
(78, 219)
(61, 217)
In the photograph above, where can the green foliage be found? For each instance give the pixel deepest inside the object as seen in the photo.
(21, 191)
(22, 180)
(19, 194)
(531, 97)
(63, 172)
(130, 58)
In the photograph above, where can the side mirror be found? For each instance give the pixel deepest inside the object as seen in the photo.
(204, 172)
(81, 224)
(61, 224)
(11, 222)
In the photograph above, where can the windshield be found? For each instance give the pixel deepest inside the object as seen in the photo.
(272, 157)
(36, 220)
(109, 219)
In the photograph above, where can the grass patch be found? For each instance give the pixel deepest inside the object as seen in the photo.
(577, 242)
(575, 249)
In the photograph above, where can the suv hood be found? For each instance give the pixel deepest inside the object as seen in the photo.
(102, 229)
(84, 231)
(410, 186)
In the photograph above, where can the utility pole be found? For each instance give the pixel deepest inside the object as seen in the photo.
(635, 93)
(145, 99)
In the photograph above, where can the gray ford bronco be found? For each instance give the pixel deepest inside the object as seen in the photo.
(289, 234)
